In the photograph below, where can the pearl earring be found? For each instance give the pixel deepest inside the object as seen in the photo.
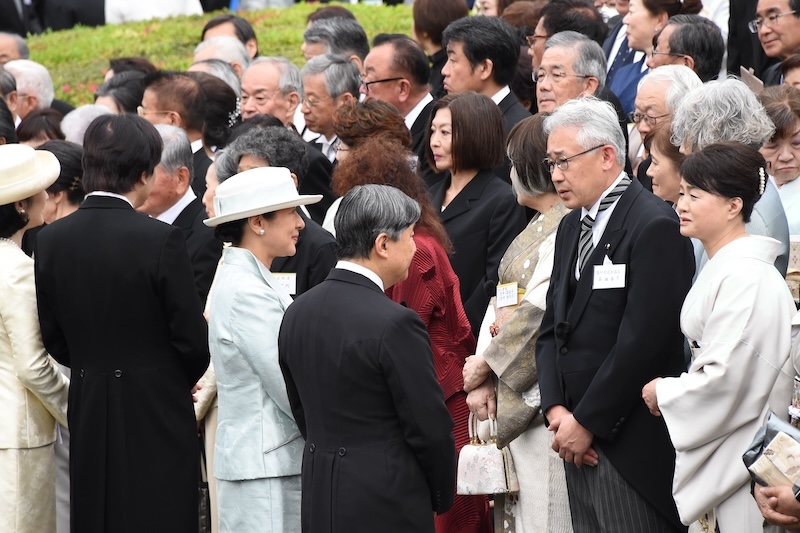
(261, 232)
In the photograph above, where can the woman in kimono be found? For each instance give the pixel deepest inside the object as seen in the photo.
(737, 320)
(258, 451)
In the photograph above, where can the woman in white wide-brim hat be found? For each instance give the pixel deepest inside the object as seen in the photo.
(33, 393)
(259, 450)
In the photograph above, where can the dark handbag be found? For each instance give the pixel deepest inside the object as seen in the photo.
(771, 458)
(204, 505)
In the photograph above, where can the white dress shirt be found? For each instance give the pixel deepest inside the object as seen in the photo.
(364, 271)
(172, 213)
(600, 219)
(502, 93)
(412, 115)
(111, 194)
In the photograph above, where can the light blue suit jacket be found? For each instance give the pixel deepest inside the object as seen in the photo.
(257, 436)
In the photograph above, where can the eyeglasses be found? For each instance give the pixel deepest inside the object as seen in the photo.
(556, 76)
(366, 84)
(531, 39)
(143, 112)
(769, 20)
(654, 52)
(650, 121)
(313, 103)
(563, 162)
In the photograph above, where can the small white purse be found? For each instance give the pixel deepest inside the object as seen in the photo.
(482, 467)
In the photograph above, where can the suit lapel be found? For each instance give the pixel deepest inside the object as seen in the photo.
(606, 246)
(419, 126)
(462, 202)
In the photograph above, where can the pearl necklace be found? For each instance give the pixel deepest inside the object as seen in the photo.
(9, 241)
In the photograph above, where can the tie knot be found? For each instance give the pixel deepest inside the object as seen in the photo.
(587, 222)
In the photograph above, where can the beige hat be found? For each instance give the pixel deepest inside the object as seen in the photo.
(25, 172)
(257, 191)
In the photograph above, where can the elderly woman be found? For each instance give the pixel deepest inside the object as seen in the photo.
(258, 452)
(665, 162)
(478, 209)
(33, 391)
(782, 151)
(432, 290)
(506, 345)
(737, 319)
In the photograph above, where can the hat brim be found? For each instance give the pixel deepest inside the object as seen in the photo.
(47, 170)
(303, 199)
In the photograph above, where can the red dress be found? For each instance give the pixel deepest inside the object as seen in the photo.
(432, 290)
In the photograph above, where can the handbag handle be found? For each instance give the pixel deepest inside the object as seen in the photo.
(474, 438)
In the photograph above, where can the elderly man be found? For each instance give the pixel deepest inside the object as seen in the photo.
(565, 15)
(361, 384)
(690, 40)
(34, 85)
(176, 99)
(8, 92)
(12, 46)
(396, 71)
(228, 49)
(727, 111)
(328, 82)
(336, 36)
(572, 66)
(620, 274)
(173, 201)
(777, 24)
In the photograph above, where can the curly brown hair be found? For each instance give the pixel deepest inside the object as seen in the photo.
(384, 161)
(354, 122)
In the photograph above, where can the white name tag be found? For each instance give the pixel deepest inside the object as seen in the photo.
(506, 295)
(288, 280)
(609, 275)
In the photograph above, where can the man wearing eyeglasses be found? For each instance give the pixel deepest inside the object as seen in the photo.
(621, 271)
(777, 24)
(692, 41)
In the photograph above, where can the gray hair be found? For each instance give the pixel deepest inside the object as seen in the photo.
(7, 83)
(342, 36)
(22, 47)
(222, 160)
(76, 122)
(177, 151)
(589, 57)
(222, 70)
(596, 120)
(32, 78)
(341, 76)
(720, 111)
(290, 80)
(226, 48)
(367, 211)
(278, 146)
(681, 80)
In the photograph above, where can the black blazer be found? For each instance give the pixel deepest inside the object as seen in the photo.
(379, 452)
(598, 348)
(481, 222)
(200, 162)
(314, 259)
(513, 112)
(436, 80)
(318, 181)
(118, 305)
(204, 249)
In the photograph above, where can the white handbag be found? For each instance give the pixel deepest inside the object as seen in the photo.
(482, 467)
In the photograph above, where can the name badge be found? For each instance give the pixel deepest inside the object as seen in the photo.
(506, 295)
(288, 281)
(609, 275)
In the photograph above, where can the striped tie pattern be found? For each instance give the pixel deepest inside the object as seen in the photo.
(585, 244)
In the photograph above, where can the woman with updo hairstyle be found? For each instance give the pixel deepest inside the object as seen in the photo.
(504, 366)
(645, 18)
(221, 113)
(121, 93)
(665, 164)
(64, 197)
(478, 209)
(782, 150)
(432, 290)
(737, 320)
(40, 126)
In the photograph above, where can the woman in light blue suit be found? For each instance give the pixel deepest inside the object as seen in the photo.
(258, 452)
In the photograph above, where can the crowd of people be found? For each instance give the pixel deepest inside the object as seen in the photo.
(302, 281)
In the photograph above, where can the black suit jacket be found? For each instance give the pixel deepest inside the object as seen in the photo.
(436, 80)
(359, 373)
(481, 222)
(513, 112)
(204, 249)
(118, 305)
(598, 348)
(200, 162)
(315, 257)
(66, 14)
(318, 181)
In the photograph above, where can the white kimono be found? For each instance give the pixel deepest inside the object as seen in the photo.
(737, 317)
(790, 198)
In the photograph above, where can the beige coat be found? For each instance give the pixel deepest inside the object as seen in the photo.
(33, 392)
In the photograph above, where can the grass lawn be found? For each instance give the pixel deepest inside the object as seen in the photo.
(77, 59)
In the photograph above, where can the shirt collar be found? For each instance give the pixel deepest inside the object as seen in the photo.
(172, 213)
(596, 206)
(502, 93)
(111, 195)
(364, 271)
(197, 145)
(412, 115)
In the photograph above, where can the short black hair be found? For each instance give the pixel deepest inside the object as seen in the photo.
(7, 130)
(70, 179)
(222, 109)
(181, 93)
(125, 88)
(701, 39)
(487, 38)
(117, 151)
(574, 15)
(40, 122)
(408, 57)
(127, 64)
(11, 220)
(728, 169)
(243, 29)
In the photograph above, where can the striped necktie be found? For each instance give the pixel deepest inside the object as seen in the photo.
(585, 244)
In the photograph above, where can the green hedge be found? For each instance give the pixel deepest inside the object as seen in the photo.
(77, 59)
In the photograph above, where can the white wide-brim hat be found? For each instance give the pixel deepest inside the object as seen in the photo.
(25, 172)
(255, 192)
